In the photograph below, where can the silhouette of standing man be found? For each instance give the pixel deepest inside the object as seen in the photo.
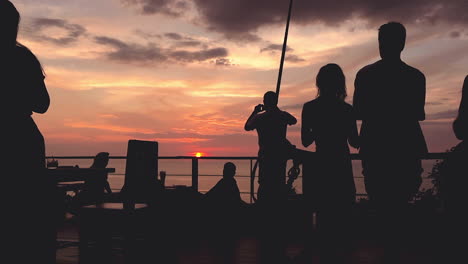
(274, 148)
(28, 212)
(389, 98)
(274, 151)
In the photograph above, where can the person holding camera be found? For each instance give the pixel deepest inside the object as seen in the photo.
(274, 149)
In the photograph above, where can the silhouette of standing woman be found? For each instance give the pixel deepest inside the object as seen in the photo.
(329, 122)
(30, 226)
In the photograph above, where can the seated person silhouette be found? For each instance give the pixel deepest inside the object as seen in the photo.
(94, 188)
(225, 193)
(100, 161)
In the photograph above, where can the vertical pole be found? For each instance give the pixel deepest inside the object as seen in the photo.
(195, 174)
(285, 43)
(251, 185)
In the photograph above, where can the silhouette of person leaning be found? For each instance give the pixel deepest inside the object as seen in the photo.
(329, 122)
(389, 98)
(274, 149)
(29, 212)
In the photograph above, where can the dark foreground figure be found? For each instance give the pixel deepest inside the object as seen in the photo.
(29, 214)
(389, 98)
(454, 179)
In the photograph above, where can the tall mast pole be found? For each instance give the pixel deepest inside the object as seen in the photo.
(285, 42)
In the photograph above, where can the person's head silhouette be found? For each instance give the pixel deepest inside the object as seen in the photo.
(229, 170)
(331, 82)
(392, 37)
(101, 160)
(270, 100)
(9, 22)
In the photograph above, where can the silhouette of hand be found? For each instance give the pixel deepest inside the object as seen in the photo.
(258, 108)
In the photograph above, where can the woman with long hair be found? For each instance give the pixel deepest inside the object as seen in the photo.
(329, 122)
(29, 210)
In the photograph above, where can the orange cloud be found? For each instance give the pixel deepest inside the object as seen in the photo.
(110, 127)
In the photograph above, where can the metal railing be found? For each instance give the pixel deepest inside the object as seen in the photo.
(195, 164)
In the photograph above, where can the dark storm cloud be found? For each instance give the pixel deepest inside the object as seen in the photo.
(241, 18)
(223, 62)
(131, 52)
(233, 17)
(166, 7)
(275, 47)
(179, 40)
(202, 55)
(174, 36)
(153, 54)
(293, 58)
(38, 25)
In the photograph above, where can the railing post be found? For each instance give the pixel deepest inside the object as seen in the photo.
(251, 188)
(195, 174)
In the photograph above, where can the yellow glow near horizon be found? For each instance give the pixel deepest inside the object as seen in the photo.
(198, 154)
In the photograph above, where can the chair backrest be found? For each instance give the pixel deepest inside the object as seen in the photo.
(141, 168)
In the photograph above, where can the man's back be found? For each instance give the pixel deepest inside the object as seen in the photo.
(271, 127)
(389, 97)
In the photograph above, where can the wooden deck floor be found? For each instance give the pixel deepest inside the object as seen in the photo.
(366, 249)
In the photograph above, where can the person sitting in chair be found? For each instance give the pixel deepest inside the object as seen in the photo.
(94, 188)
(100, 161)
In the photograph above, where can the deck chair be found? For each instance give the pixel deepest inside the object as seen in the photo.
(141, 172)
(125, 215)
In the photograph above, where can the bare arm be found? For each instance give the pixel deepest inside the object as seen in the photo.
(250, 123)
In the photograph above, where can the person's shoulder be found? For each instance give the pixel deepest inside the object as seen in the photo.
(311, 103)
(414, 71)
(370, 67)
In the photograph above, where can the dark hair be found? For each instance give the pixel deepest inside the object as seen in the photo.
(9, 20)
(464, 102)
(460, 124)
(331, 82)
(393, 34)
(270, 98)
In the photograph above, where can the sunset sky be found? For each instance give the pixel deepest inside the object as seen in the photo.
(188, 73)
